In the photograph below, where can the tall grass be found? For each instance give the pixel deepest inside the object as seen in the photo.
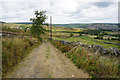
(14, 49)
(63, 48)
(97, 65)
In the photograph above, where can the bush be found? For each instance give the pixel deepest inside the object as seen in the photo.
(80, 34)
(58, 36)
(98, 37)
(114, 39)
(65, 48)
(71, 34)
(62, 47)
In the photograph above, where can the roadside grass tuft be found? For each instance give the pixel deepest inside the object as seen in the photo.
(48, 52)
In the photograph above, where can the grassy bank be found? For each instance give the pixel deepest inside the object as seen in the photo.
(97, 65)
(14, 49)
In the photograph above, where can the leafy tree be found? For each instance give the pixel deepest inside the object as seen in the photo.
(80, 34)
(71, 35)
(108, 38)
(25, 29)
(38, 21)
(119, 38)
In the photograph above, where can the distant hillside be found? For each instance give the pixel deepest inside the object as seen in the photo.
(111, 26)
(23, 23)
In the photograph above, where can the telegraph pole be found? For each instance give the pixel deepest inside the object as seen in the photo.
(51, 27)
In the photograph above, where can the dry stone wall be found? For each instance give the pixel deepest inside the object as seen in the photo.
(96, 48)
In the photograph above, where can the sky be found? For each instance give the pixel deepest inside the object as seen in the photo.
(62, 11)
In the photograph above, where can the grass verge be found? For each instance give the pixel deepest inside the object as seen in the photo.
(95, 64)
(14, 49)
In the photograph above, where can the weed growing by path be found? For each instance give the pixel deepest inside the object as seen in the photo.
(48, 52)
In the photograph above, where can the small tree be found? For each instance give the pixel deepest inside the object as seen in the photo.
(80, 34)
(38, 21)
(71, 35)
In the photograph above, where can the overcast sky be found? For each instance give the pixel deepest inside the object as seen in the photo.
(62, 11)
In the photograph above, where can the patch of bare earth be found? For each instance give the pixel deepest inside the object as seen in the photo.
(46, 62)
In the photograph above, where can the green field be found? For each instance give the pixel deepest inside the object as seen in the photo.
(88, 40)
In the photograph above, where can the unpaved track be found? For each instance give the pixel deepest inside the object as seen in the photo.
(46, 62)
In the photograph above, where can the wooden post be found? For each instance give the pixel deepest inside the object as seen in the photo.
(51, 27)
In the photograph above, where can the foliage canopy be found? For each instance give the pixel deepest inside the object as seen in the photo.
(38, 22)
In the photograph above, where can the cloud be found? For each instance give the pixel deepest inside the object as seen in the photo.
(62, 11)
(102, 4)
